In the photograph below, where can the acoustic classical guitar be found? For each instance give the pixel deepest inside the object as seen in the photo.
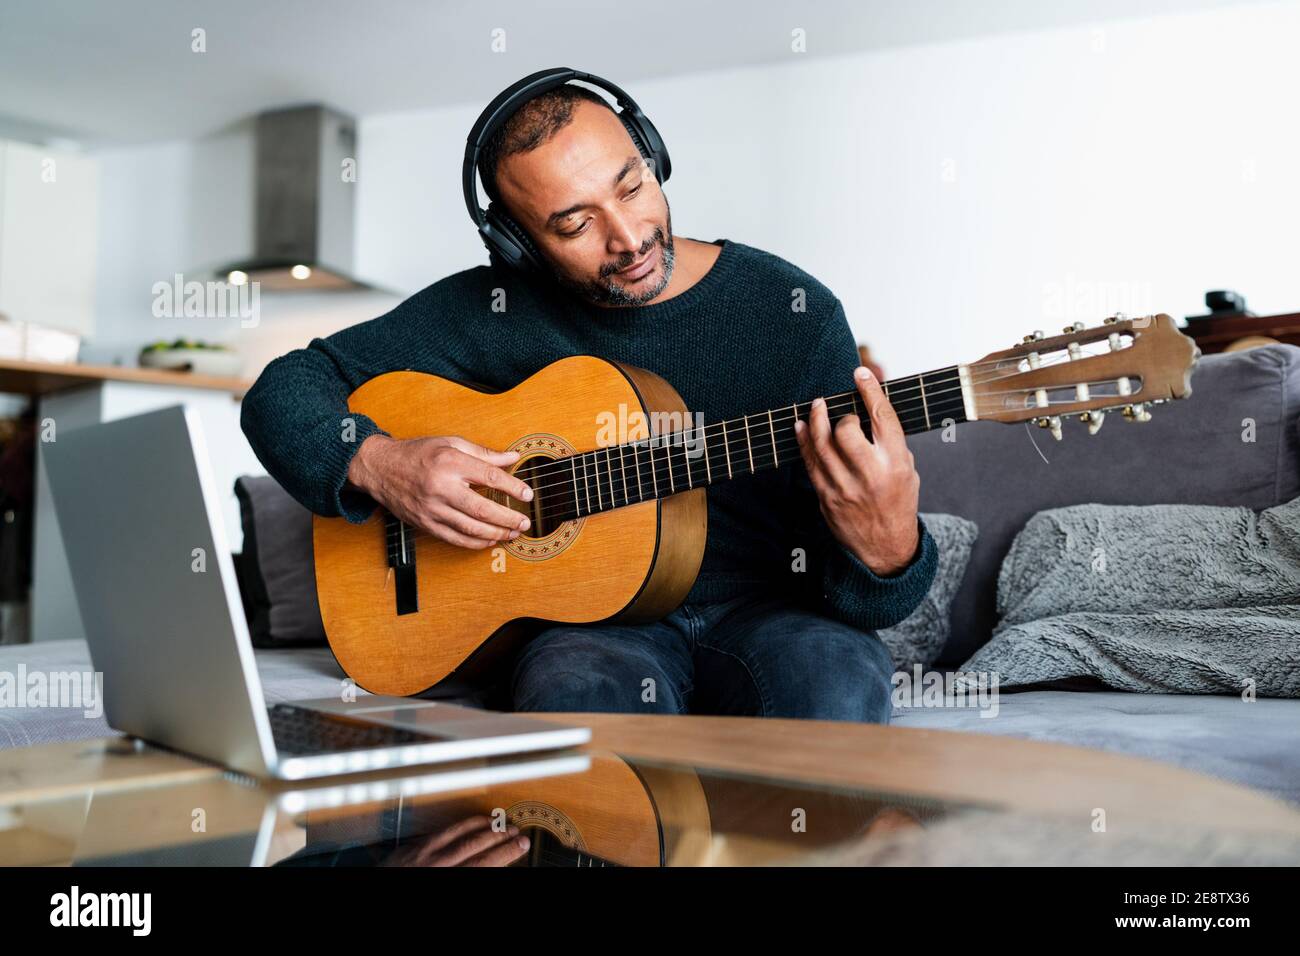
(618, 521)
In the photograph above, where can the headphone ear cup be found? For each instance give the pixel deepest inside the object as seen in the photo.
(637, 139)
(507, 238)
(646, 139)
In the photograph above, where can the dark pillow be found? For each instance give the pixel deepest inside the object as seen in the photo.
(277, 578)
(1191, 452)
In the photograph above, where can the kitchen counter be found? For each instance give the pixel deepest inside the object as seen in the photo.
(19, 377)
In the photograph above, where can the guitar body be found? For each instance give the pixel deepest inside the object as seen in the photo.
(458, 612)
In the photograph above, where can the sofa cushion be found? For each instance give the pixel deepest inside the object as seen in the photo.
(1233, 442)
(277, 579)
(921, 636)
(1159, 598)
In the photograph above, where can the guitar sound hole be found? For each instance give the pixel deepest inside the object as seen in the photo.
(552, 497)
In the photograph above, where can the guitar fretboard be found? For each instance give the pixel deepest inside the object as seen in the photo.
(699, 456)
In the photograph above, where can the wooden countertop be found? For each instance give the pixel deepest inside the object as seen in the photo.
(41, 378)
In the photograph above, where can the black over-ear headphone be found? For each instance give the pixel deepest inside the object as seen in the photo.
(501, 234)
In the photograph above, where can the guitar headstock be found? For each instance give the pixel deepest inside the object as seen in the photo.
(1123, 364)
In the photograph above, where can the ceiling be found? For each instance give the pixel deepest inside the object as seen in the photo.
(99, 73)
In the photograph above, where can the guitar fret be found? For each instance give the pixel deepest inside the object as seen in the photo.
(609, 471)
(622, 470)
(708, 471)
(636, 463)
(771, 429)
(726, 449)
(672, 483)
(577, 503)
(586, 484)
(654, 476)
(749, 445)
(925, 406)
(686, 456)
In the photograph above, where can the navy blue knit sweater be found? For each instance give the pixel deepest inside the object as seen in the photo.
(734, 343)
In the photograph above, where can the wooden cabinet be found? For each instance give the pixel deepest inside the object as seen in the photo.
(1233, 331)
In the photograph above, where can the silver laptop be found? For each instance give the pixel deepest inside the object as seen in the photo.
(151, 566)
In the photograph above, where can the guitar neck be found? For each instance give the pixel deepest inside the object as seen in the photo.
(699, 456)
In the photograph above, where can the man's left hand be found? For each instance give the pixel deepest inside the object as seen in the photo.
(868, 489)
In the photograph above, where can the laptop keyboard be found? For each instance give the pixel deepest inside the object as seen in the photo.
(305, 733)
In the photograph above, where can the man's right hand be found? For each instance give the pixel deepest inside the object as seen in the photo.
(428, 483)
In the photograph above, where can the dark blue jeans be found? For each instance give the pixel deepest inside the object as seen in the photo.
(744, 657)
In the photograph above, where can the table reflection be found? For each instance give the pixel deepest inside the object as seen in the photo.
(571, 808)
(618, 813)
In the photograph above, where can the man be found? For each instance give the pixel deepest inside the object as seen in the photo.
(801, 564)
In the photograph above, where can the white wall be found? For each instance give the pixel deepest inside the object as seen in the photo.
(955, 196)
(187, 207)
(48, 201)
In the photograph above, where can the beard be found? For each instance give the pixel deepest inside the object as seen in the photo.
(604, 290)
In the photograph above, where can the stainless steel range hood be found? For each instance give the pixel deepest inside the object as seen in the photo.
(304, 202)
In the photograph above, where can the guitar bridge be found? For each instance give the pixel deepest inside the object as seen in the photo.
(401, 558)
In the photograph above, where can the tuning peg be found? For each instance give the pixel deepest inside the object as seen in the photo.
(1093, 420)
(1075, 327)
(1053, 422)
(1136, 413)
(1035, 336)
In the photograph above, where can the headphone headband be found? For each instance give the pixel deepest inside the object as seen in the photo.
(500, 234)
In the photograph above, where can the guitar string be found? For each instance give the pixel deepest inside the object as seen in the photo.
(756, 419)
(671, 469)
(892, 395)
(662, 468)
(561, 468)
(660, 472)
(764, 459)
(684, 472)
(555, 467)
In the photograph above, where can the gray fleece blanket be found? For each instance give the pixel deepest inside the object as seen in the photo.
(1173, 599)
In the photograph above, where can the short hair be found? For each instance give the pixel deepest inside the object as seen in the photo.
(531, 125)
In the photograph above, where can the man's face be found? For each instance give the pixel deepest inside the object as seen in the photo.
(592, 205)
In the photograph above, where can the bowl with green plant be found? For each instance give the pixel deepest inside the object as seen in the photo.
(191, 355)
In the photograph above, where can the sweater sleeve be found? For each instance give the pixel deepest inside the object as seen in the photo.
(849, 590)
(296, 414)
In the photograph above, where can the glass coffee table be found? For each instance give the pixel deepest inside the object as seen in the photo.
(650, 791)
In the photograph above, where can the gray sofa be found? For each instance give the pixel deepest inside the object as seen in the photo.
(1191, 452)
